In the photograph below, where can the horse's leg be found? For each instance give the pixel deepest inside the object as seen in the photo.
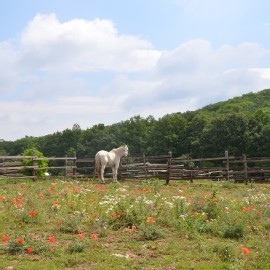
(102, 169)
(114, 169)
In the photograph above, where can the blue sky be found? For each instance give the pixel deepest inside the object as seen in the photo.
(88, 62)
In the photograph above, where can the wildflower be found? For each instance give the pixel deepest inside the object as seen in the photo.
(130, 230)
(32, 213)
(3, 199)
(51, 239)
(5, 239)
(195, 214)
(94, 236)
(19, 199)
(80, 235)
(29, 250)
(90, 200)
(245, 250)
(112, 214)
(20, 240)
(41, 196)
(55, 203)
(150, 220)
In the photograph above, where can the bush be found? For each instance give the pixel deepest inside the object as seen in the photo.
(29, 162)
(234, 231)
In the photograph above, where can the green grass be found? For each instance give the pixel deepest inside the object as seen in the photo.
(67, 224)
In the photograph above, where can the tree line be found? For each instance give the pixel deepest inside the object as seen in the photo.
(239, 125)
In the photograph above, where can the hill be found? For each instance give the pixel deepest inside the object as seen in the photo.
(239, 125)
(246, 103)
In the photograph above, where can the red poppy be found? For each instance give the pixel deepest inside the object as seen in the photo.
(80, 235)
(29, 250)
(32, 213)
(20, 240)
(94, 236)
(2, 199)
(52, 239)
(150, 220)
(4, 239)
(245, 250)
(112, 214)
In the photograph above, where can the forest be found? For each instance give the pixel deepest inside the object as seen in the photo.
(240, 125)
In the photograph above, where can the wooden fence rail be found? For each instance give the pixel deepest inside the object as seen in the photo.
(144, 167)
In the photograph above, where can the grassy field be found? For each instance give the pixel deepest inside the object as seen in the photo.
(62, 224)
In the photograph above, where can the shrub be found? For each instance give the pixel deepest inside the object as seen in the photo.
(29, 162)
(234, 231)
(225, 252)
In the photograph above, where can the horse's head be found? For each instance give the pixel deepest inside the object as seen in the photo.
(125, 148)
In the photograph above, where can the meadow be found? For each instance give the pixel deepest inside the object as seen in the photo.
(67, 224)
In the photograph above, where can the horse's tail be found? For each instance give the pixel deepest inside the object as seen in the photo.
(97, 170)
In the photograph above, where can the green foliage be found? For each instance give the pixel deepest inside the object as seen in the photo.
(234, 231)
(240, 125)
(225, 252)
(30, 162)
(129, 224)
(151, 231)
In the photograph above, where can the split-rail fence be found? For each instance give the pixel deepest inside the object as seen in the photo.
(242, 169)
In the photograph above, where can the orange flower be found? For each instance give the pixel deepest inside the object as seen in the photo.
(245, 250)
(20, 240)
(4, 239)
(150, 220)
(90, 200)
(112, 214)
(94, 236)
(52, 239)
(32, 213)
(80, 235)
(29, 250)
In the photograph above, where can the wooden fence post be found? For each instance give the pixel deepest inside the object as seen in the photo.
(33, 164)
(66, 163)
(227, 165)
(245, 168)
(144, 164)
(169, 172)
(74, 165)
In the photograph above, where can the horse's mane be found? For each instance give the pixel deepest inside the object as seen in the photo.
(115, 149)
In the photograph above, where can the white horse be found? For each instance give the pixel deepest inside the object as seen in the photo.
(110, 159)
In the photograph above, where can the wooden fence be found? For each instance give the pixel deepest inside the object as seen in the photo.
(14, 167)
(144, 167)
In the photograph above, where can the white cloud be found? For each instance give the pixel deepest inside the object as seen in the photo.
(9, 72)
(49, 82)
(81, 45)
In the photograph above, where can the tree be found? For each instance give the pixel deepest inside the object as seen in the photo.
(76, 127)
(29, 162)
(229, 132)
